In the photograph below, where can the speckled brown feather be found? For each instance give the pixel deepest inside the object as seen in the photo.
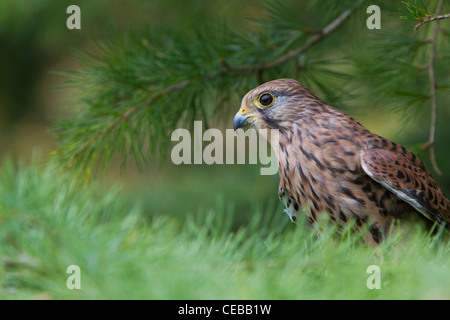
(410, 181)
(328, 162)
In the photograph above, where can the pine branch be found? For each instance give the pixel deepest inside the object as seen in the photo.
(436, 18)
(410, 76)
(123, 117)
(415, 13)
(84, 150)
(432, 95)
(317, 37)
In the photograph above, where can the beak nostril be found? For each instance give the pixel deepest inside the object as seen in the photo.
(240, 119)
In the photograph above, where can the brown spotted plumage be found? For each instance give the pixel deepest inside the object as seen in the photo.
(330, 164)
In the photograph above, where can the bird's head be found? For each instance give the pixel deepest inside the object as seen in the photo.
(273, 105)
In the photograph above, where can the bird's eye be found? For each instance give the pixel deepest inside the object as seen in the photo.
(265, 99)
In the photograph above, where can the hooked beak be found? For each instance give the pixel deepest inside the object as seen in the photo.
(241, 119)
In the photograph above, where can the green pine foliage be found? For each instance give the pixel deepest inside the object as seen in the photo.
(401, 80)
(128, 250)
(415, 12)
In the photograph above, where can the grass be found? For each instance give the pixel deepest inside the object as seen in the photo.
(127, 250)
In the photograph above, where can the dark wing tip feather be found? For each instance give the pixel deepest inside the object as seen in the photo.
(411, 183)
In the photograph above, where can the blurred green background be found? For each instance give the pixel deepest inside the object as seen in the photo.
(35, 44)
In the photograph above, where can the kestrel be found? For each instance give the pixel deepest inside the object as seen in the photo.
(330, 164)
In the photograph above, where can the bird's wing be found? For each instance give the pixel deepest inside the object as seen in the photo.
(410, 182)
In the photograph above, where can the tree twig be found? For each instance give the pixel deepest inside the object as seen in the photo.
(436, 18)
(315, 38)
(432, 94)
